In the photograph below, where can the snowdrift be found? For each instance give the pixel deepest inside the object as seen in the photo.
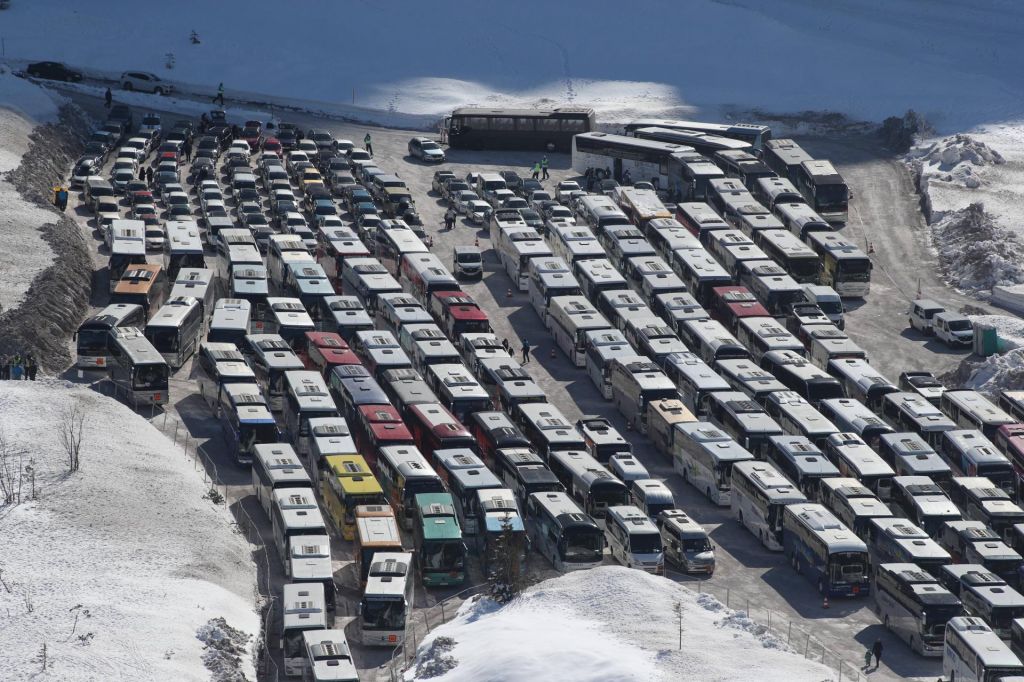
(958, 160)
(609, 623)
(976, 252)
(120, 568)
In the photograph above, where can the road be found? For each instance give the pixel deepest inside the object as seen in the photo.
(884, 213)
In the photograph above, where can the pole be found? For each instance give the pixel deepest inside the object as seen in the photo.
(841, 670)
(789, 634)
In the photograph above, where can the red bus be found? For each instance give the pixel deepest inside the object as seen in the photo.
(729, 304)
(334, 246)
(324, 350)
(457, 313)
(379, 426)
(435, 428)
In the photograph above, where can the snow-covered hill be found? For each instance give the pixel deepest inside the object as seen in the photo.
(608, 623)
(117, 569)
(955, 62)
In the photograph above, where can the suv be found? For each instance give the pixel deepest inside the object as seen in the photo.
(922, 312)
(426, 149)
(467, 262)
(145, 82)
(121, 113)
(54, 71)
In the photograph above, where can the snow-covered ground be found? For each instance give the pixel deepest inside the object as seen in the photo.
(23, 251)
(609, 623)
(118, 569)
(957, 63)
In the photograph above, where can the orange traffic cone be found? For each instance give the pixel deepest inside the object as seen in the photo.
(824, 603)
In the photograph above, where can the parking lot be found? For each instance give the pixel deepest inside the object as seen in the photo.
(883, 213)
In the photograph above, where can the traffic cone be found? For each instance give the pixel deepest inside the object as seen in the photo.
(824, 603)
(476, 242)
(508, 294)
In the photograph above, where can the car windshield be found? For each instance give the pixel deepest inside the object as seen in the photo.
(830, 307)
(696, 545)
(468, 258)
(960, 325)
(430, 145)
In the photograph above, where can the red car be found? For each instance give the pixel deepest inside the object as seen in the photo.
(254, 136)
(272, 144)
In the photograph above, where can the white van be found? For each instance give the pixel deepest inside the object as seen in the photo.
(826, 298)
(627, 468)
(634, 540)
(686, 542)
(953, 329)
(921, 313)
(652, 497)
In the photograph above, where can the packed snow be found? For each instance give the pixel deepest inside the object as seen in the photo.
(23, 251)
(609, 623)
(976, 252)
(958, 160)
(956, 63)
(122, 570)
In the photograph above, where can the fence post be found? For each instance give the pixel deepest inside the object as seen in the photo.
(444, 619)
(807, 645)
(177, 424)
(727, 597)
(840, 670)
(748, 608)
(789, 635)
(769, 621)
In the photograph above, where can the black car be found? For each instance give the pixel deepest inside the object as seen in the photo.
(532, 218)
(528, 187)
(512, 180)
(54, 71)
(121, 113)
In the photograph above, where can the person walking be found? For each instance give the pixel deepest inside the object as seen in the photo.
(32, 368)
(876, 649)
(5, 369)
(544, 167)
(535, 174)
(108, 98)
(506, 345)
(368, 143)
(526, 351)
(62, 198)
(188, 152)
(142, 173)
(449, 219)
(149, 176)
(16, 368)
(627, 179)
(220, 94)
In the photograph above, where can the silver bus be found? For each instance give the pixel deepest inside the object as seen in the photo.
(973, 653)
(602, 346)
(743, 419)
(797, 417)
(175, 330)
(677, 309)
(913, 412)
(137, 367)
(574, 243)
(547, 428)
(712, 341)
(596, 275)
(548, 278)
(570, 318)
(230, 321)
(972, 410)
(852, 502)
(800, 375)
(91, 339)
(759, 494)
(562, 532)
(704, 456)
(636, 382)
(276, 466)
(919, 499)
(801, 461)
(271, 357)
(854, 458)
(749, 379)
(914, 606)
(855, 417)
(862, 382)
(909, 455)
(900, 541)
(694, 380)
(763, 335)
(588, 481)
(288, 318)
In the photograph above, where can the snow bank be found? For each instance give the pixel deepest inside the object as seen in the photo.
(957, 160)
(122, 570)
(975, 252)
(609, 623)
(994, 373)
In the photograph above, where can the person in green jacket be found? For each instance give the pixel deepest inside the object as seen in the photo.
(368, 143)
(536, 171)
(544, 167)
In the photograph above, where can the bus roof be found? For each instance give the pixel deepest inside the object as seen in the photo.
(304, 606)
(378, 531)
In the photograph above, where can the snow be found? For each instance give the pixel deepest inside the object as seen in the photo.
(608, 623)
(120, 568)
(954, 62)
(23, 251)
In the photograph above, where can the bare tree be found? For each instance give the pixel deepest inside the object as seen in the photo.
(72, 428)
(12, 473)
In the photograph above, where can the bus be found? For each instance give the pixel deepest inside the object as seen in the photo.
(346, 484)
(863, 382)
(276, 466)
(547, 428)
(548, 130)
(328, 657)
(137, 368)
(975, 543)
(324, 351)
(127, 249)
(662, 417)
(667, 235)
(271, 357)
(700, 219)
(743, 419)
(602, 346)
(367, 279)
(184, 247)
(145, 285)
(303, 609)
(288, 318)
(844, 267)
(309, 561)
(852, 503)
(218, 366)
(694, 380)
(636, 382)
(246, 420)
(913, 412)
(705, 144)
(784, 156)
(899, 540)
(909, 455)
(404, 473)
(819, 545)
(588, 481)
(753, 134)
(641, 206)
(749, 379)
(344, 315)
(997, 605)
(600, 212)
(175, 330)
(704, 456)
(306, 397)
(757, 497)
(397, 310)
(563, 533)
(801, 220)
(376, 532)
(198, 283)
(824, 189)
(393, 245)
(700, 272)
(914, 606)
(573, 243)
(294, 514)
(437, 540)
(634, 540)
(516, 247)
(465, 477)
(334, 246)
(384, 606)
(458, 390)
(524, 472)
(570, 318)
(549, 277)
(980, 500)
(711, 341)
(772, 191)
(855, 459)
(91, 339)
(855, 417)
(797, 417)
(501, 529)
(249, 283)
(509, 384)
(618, 155)
(795, 257)
(972, 410)
(763, 335)
(801, 461)
(975, 455)
(973, 653)
(230, 321)
(601, 438)
(423, 273)
(596, 275)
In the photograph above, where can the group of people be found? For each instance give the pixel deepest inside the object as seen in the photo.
(18, 367)
(526, 349)
(540, 169)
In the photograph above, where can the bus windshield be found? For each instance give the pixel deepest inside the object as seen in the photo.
(655, 508)
(446, 555)
(696, 545)
(1000, 617)
(823, 390)
(582, 544)
(149, 377)
(937, 615)
(164, 340)
(645, 543)
(847, 567)
(92, 340)
(855, 268)
(383, 614)
(414, 487)
(251, 434)
(723, 474)
(829, 196)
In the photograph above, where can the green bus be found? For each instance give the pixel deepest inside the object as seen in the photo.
(438, 541)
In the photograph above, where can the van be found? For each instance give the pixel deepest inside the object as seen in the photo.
(953, 329)
(627, 468)
(467, 262)
(486, 183)
(826, 298)
(633, 540)
(652, 497)
(921, 313)
(686, 543)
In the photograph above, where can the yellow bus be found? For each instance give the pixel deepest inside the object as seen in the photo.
(347, 483)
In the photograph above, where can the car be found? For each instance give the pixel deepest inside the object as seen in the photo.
(426, 149)
(54, 71)
(239, 149)
(164, 178)
(363, 208)
(155, 237)
(467, 262)
(309, 147)
(323, 140)
(172, 198)
(453, 188)
(272, 144)
(532, 218)
(122, 115)
(512, 180)
(528, 187)
(207, 194)
(252, 136)
(151, 126)
(440, 177)
(139, 193)
(517, 203)
(537, 199)
(461, 200)
(606, 187)
(339, 180)
(214, 207)
(140, 211)
(643, 184)
(84, 167)
(922, 312)
(179, 212)
(953, 329)
(120, 178)
(564, 188)
(367, 224)
(143, 81)
(355, 196)
(559, 213)
(287, 138)
(497, 198)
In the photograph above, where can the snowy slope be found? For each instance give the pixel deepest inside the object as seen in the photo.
(609, 623)
(23, 252)
(956, 62)
(127, 546)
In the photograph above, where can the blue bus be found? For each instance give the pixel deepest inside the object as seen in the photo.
(827, 552)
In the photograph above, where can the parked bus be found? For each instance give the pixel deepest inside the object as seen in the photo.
(271, 357)
(588, 481)
(344, 315)
(795, 257)
(602, 346)
(641, 206)
(855, 417)
(230, 321)
(145, 285)
(711, 341)
(855, 459)
(753, 134)
(909, 455)
(570, 318)
(639, 158)
(763, 335)
(784, 156)
(574, 243)
(973, 653)
(137, 368)
(900, 541)
(127, 250)
(704, 456)
(562, 532)
(980, 500)
(346, 484)
(93, 335)
(403, 474)
(705, 144)
(423, 273)
(502, 533)
(549, 277)
(596, 275)
(758, 495)
(635, 383)
(972, 410)
(853, 503)
(633, 539)
(915, 413)
(249, 283)
(800, 220)
(600, 212)
(844, 267)
(797, 417)
(376, 533)
(393, 245)
(175, 330)
(547, 428)
(820, 545)
(772, 191)
(743, 419)
(303, 609)
(367, 279)
(294, 515)
(923, 502)
(694, 380)
(750, 380)
(306, 397)
(275, 466)
(385, 604)
(184, 247)
(537, 129)
(700, 272)
(437, 541)
(516, 247)
(246, 420)
(975, 543)
(334, 246)
(465, 475)
(914, 606)
(218, 366)
(801, 461)
(975, 455)
(824, 189)
(328, 656)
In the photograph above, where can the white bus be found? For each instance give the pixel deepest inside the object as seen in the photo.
(547, 428)
(621, 307)
(801, 461)
(755, 135)
(819, 545)
(271, 357)
(844, 267)
(704, 456)
(923, 502)
(801, 376)
(853, 503)
(800, 219)
(127, 248)
(516, 247)
(641, 159)
(91, 339)
(137, 367)
(276, 466)
(973, 653)
(914, 606)
(603, 346)
(464, 475)
(596, 275)
(570, 318)
(862, 382)
(898, 540)
(184, 247)
(384, 606)
(303, 608)
(294, 513)
(694, 380)
(749, 379)
(637, 382)
(288, 318)
(743, 419)
(549, 277)
(913, 412)
(175, 330)
(972, 410)
(246, 420)
(855, 417)
(763, 335)
(701, 273)
(855, 459)
(574, 243)
(600, 211)
(758, 496)
(230, 321)
(633, 539)
(797, 417)
(588, 481)
(563, 533)
(306, 397)
(328, 657)
(367, 279)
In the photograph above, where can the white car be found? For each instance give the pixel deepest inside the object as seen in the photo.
(210, 194)
(498, 197)
(309, 147)
(145, 82)
(214, 207)
(155, 237)
(478, 211)
(239, 148)
(463, 199)
(537, 198)
(175, 199)
(565, 187)
(294, 158)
